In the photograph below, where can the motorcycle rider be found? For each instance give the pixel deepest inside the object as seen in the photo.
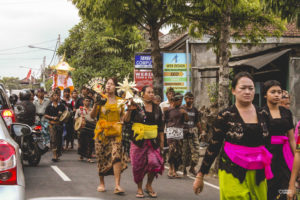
(25, 109)
(40, 104)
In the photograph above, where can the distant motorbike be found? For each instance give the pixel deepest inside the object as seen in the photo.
(44, 128)
(31, 143)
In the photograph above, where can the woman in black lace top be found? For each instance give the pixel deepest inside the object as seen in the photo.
(244, 160)
(283, 145)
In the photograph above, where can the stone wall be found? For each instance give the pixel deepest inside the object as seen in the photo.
(294, 84)
(203, 57)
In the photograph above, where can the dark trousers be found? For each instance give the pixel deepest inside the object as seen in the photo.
(56, 131)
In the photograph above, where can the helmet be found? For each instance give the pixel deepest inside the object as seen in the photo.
(25, 95)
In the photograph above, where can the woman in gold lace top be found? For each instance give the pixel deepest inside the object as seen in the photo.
(111, 159)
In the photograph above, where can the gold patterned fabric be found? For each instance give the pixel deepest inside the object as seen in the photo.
(108, 124)
(108, 137)
(108, 154)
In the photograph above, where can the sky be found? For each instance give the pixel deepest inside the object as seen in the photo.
(37, 23)
(32, 22)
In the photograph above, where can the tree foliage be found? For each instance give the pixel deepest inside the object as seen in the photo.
(94, 48)
(149, 15)
(243, 20)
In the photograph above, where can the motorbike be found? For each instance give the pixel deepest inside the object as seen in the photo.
(31, 143)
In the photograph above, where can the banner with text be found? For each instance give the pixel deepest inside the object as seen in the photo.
(175, 72)
(143, 62)
(142, 78)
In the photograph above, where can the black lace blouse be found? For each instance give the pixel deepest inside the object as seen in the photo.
(150, 118)
(230, 127)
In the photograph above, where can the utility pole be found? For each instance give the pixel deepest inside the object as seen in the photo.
(43, 72)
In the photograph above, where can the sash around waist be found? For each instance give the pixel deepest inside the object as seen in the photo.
(251, 158)
(144, 131)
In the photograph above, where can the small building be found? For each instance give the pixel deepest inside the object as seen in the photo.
(274, 58)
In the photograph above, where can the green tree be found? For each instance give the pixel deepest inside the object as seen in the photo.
(149, 15)
(94, 48)
(11, 83)
(244, 20)
(287, 9)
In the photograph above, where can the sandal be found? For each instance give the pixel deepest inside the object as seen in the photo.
(90, 161)
(101, 189)
(177, 176)
(80, 158)
(151, 193)
(139, 195)
(171, 176)
(118, 192)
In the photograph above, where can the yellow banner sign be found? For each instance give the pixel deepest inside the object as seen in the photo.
(173, 73)
(174, 84)
(175, 66)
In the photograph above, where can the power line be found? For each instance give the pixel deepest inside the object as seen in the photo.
(53, 53)
(21, 52)
(27, 45)
(14, 58)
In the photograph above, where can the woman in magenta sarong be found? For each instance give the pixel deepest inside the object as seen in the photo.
(147, 141)
(283, 145)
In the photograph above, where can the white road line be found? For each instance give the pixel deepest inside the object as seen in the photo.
(207, 183)
(60, 173)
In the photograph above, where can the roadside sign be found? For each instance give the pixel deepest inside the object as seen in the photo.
(175, 72)
(142, 78)
(143, 62)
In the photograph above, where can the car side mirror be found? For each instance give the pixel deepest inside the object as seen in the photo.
(18, 129)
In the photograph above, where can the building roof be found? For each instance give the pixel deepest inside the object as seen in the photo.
(292, 31)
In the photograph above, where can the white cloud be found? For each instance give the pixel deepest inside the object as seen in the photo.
(25, 22)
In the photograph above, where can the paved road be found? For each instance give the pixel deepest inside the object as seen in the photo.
(44, 181)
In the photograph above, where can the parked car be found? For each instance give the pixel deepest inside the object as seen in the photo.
(12, 182)
(6, 109)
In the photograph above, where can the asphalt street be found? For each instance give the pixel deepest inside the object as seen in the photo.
(73, 178)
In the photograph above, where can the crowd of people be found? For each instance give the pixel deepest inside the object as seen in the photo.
(257, 145)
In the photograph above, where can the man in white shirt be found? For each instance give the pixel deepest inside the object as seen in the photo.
(166, 104)
(40, 105)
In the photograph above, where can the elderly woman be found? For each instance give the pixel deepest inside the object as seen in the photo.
(147, 141)
(241, 133)
(111, 159)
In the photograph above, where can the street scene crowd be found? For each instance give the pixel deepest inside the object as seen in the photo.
(258, 148)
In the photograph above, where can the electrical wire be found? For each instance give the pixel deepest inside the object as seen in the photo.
(53, 53)
(27, 45)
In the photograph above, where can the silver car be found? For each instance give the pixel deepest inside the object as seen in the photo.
(12, 182)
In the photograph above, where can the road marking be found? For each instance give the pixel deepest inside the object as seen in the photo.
(207, 183)
(60, 173)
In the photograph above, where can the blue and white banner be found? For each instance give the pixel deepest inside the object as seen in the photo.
(143, 62)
